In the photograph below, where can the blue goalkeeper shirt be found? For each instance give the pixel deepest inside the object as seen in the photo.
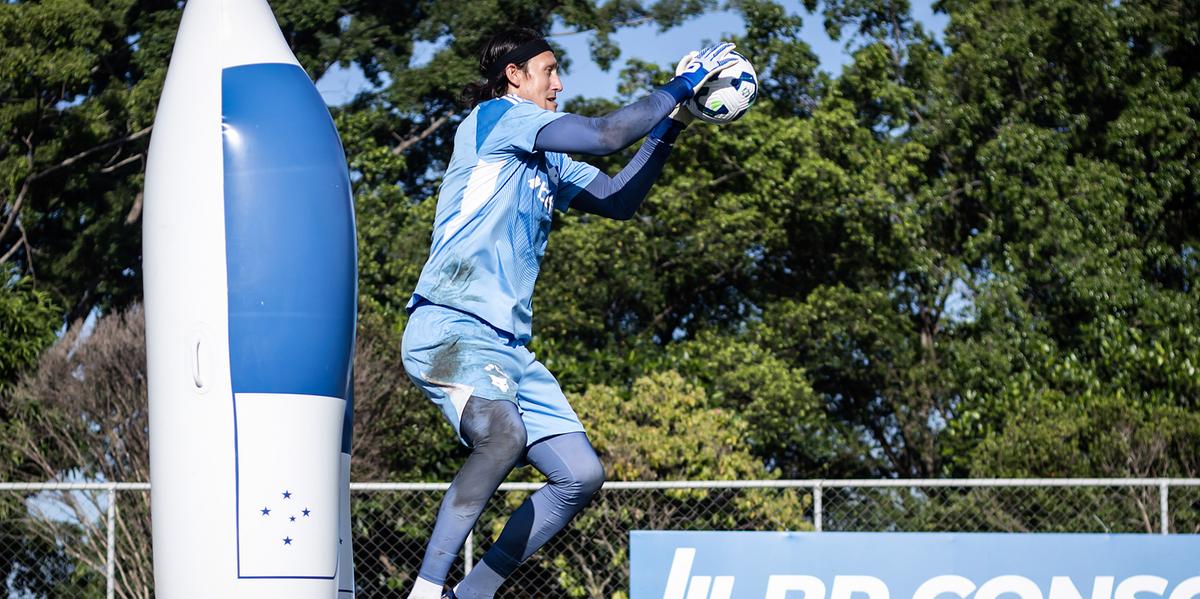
(494, 212)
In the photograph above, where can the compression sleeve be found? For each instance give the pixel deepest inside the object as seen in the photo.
(599, 136)
(619, 197)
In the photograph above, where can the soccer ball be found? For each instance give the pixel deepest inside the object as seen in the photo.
(728, 95)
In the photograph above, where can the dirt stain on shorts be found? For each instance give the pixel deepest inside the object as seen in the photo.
(447, 362)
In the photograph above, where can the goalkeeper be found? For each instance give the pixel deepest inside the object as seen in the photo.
(470, 315)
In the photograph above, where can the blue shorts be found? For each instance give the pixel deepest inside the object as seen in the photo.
(452, 356)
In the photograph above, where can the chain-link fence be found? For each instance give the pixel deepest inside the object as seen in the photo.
(75, 540)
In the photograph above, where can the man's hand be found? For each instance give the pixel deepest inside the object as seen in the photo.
(698, 67)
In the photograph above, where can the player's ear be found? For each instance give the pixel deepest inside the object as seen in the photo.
(514, 74)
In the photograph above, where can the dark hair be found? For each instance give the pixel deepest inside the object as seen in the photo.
(500, 44)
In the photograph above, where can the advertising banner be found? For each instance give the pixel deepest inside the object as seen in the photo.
(781, 565)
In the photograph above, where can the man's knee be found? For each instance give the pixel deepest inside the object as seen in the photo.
(494, 426)
(589, 477)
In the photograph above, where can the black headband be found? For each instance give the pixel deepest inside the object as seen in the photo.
(518, 55)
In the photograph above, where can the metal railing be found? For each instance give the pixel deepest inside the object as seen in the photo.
(92, 539)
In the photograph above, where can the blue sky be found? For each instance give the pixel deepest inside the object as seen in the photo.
(646, 43)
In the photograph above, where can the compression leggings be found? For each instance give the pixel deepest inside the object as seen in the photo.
(497, 437)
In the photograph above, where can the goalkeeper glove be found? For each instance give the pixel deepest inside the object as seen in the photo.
(699, 67)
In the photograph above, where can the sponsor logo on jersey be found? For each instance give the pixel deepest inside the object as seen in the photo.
(543, 191)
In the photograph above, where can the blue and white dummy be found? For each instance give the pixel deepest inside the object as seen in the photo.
(250, 289)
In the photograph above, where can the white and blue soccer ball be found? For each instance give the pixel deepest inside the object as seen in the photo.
(726, 97)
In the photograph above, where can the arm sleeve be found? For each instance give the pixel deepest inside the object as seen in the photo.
(619, 197)
(573, 177)
(604, 135)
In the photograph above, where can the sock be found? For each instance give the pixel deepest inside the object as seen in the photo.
(481, 583)
(424, 589)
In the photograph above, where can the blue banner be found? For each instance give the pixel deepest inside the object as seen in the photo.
(779, 565)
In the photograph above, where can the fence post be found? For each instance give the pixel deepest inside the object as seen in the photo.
(469, 553)
(1163, 491)
(111, 561)
(818, 506)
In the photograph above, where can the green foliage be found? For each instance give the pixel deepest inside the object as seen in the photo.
(863, 266)
(81, 78)
(971, 255)
(665, 430)
(786, 423)
(28, 319)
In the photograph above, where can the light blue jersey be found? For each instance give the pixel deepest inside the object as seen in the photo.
(494, 213)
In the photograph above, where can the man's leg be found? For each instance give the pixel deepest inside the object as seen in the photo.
(496, 434)
(575, 474)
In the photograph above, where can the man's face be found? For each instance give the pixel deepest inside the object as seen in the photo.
(539, 82)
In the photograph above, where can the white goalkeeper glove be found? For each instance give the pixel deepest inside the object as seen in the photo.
(703, 64)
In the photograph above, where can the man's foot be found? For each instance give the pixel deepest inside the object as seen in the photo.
(448, 593)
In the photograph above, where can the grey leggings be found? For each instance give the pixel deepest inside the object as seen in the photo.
(497, 437)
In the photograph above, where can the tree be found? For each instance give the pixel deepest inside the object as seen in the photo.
(28, 319)
(81, 416)
(973, 255)
(81, 81)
